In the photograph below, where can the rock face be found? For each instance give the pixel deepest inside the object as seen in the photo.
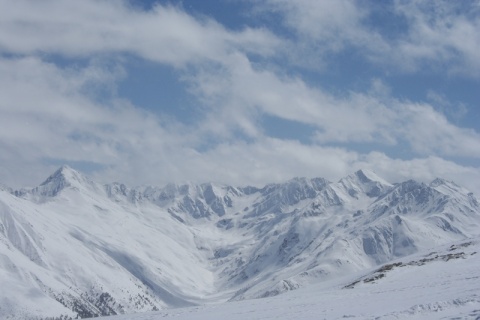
(72, 247)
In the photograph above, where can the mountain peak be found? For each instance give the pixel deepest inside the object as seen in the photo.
(366, 176)
(448, 187)
(63, 174)
(62, 178)
(439, 181)
(365, 181)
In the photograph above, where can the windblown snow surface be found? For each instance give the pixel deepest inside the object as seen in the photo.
(441, 284)
(74, 248)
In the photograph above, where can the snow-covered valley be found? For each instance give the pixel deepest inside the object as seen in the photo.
(72, 247)
(444, 284)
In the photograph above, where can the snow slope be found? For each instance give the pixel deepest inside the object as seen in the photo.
(441, 284)
(72, 247)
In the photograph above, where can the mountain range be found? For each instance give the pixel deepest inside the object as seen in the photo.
(72, 247)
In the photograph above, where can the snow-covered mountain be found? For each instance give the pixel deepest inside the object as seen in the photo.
(72, 247)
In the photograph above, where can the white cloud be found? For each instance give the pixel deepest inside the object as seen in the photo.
(46, 115)
(429, 132)
(239, 94)
(330, 22)
(438, 34)
(165, 34)
(422, 169)
(52, 120)
(322, 29)
(455, 111)
(50, 113)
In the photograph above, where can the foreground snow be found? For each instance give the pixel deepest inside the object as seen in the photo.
(437, 289)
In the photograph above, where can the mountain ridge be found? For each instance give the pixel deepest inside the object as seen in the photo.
(88, 249)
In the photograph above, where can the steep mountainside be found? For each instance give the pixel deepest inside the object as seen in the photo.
(72, 247)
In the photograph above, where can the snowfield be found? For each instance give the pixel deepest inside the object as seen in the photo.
(442, 284)
(310, 247)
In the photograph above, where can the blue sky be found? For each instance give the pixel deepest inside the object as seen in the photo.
(239, 91)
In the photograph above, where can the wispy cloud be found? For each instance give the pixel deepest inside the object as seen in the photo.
(243, 93)
(441, 33)
(427, 34)
(164, 34)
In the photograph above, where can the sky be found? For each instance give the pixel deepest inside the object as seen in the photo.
(242, 92)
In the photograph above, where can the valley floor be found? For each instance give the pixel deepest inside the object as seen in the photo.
(432, 285)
